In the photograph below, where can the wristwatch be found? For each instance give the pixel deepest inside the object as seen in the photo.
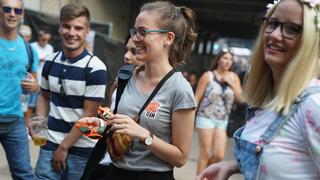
(148, 140)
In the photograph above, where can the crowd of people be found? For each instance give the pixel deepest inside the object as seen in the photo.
(280, 139)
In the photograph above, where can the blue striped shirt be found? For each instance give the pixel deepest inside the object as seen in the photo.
(70, 82)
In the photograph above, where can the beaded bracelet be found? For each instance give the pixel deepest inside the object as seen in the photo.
(102, 126)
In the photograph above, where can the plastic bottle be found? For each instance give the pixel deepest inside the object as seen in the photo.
(25, 96)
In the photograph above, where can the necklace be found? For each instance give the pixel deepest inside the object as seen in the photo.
(8, 49)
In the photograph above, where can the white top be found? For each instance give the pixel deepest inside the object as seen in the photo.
(43, 52)
(295, 152)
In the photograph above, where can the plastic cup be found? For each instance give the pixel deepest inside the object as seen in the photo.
(39, 130)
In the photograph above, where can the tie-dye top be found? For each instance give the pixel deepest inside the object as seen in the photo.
(217, 100)
(295, 153)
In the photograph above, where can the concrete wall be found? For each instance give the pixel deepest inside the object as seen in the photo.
(115, 13)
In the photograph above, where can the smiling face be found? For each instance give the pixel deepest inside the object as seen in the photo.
(10, 21)
(73, 34)
(278, 51)
(153, 44)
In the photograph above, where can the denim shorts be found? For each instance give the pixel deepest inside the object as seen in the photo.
(204, 123)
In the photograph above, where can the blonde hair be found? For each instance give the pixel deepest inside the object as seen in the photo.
(300, 70)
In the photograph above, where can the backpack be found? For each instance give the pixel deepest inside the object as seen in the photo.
(30, 56)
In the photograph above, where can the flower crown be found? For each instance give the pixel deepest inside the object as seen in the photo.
(315, 4)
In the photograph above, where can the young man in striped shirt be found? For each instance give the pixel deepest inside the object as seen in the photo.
(73, 85)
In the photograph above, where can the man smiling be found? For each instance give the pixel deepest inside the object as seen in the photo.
(72, 86)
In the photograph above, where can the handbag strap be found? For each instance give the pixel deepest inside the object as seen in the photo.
(124, 75)
(99, 149)
(223, 92)
(155, 91)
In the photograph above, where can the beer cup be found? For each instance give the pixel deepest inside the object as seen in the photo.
(39, 130)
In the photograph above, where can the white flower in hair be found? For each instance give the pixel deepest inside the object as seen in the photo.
(312, 3)
(317, 21)
(270, 5)
(315, 4)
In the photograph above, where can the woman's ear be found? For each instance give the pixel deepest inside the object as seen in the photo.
(170, 38)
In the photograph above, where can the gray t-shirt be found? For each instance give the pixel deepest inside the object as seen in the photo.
(176, 93)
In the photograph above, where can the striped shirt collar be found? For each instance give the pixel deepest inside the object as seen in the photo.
(72, 60)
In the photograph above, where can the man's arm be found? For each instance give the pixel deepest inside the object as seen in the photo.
(43, 104)
(90, 109)
(59, 156)
(42, 108)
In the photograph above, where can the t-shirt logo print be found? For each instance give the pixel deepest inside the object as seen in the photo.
(152, 109)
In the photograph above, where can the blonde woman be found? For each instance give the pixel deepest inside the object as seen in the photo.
(216, 92)
(281, 139)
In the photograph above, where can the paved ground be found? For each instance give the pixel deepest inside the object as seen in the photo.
(187, 172)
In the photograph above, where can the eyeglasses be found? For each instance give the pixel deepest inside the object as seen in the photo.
(289, 30)
(7, 9)
(141, 33)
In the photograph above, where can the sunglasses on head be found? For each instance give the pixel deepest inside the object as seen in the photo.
(7, 9)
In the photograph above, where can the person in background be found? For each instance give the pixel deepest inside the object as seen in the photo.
(25, 32)
(43, 49)
(193, 81)
(185, 74)
(216, 92)
(130, 53)
(72, 86)
(163, 34)
(15, 78)
(129, 58)
(281, 138)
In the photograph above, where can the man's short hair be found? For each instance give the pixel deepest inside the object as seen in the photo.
(1, 1)
(72, 11)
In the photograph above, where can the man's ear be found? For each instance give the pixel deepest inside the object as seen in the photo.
(88, 28)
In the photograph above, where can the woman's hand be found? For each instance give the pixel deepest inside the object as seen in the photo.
(219, 171)
(91, 122)
(228, 80)
(233, 81)
(123, 124)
